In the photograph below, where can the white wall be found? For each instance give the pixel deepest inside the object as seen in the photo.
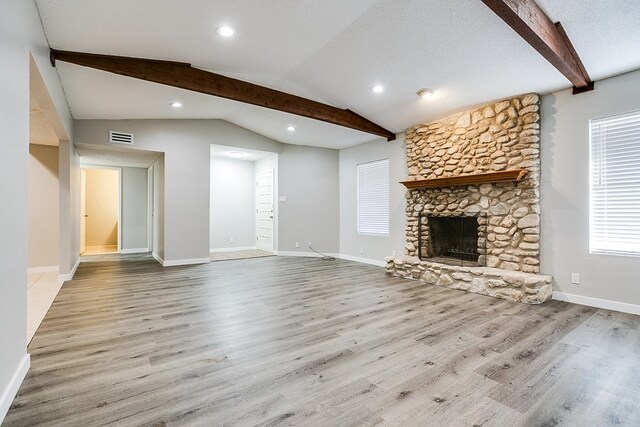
(44, 224)
(374, 248)
(565, 193)
(186, 147)
(308, 178)
(69, 192)
(232, 204)
(20, 33)
(158, 208)
(133, 228)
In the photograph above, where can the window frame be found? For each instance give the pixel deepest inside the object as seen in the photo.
(595, 245)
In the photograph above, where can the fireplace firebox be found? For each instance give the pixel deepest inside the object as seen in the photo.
(454, 239)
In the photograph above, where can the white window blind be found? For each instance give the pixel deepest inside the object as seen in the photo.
(373, 198)
(614, 217)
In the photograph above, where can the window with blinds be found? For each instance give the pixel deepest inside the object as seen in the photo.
(373, 198)
(614, 202)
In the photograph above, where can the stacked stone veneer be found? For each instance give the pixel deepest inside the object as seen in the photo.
(496, 137)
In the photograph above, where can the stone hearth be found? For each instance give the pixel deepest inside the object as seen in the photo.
(501, 136)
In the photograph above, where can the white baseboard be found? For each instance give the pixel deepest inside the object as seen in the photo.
(235, 248)
(597, 302)
(12, 388)
(157, 257)
(340, 256)
(303, 254)
(363, 260)
(49, 269)
(176, 262)
(134, 251)
(64, 277)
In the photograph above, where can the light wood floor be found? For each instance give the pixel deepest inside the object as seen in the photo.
(301, 341)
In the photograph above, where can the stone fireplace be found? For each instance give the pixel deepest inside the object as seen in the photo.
(483, 237)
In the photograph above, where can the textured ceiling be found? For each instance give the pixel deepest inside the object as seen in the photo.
(459, 48)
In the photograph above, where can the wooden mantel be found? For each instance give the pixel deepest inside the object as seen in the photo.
(475, 179)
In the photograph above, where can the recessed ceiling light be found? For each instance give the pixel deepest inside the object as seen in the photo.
(236, 154)
(377, 89)
(225, 31)
(425, 93)
(291, 128)
(176, 104)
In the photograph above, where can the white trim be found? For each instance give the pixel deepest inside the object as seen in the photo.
(363, 260)
(49, 269)
(237, 248)
(120, 193)
(303, 254)
(134, 251)
(12, 388)
(157, 257)
(597, 302)
(175, 262)
(64, 277)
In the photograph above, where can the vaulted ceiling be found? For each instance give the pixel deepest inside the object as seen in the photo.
(332, 51)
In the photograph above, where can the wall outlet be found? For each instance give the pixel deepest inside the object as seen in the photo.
(297, 244)
(575, 278)
(361, 250)
(393, 252)
(308, 244)
(230, 239)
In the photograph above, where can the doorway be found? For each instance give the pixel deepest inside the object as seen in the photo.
(100, 211)
(243, 213)
(47, 255)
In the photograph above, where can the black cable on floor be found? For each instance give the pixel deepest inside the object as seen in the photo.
(324, 256)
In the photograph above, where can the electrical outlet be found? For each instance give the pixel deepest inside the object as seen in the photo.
(393, 252)
(575, 278)
(308, 244)
(230, 239)
(297, 244)
(361, 250)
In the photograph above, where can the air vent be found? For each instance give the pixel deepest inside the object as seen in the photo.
(120, 137)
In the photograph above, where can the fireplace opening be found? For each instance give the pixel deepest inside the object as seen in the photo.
(452, 239)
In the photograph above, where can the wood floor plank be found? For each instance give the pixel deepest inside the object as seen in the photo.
(302, 341)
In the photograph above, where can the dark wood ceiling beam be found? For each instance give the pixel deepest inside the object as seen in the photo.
(527, 19)
(184, 76)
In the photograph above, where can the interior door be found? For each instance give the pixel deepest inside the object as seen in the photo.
(83, 210)
(264, 211)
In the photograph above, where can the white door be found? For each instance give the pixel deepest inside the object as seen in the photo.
(83, 210)
(264, 211)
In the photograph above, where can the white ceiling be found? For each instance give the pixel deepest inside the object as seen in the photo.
(92, 155)
(231, 153)
(460, 48)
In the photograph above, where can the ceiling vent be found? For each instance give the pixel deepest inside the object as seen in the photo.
(120, 137)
